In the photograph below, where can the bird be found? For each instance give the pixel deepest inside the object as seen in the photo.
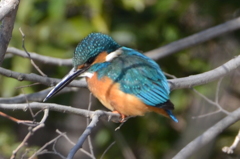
(124, 80)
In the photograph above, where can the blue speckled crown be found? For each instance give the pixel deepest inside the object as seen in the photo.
(91, 46)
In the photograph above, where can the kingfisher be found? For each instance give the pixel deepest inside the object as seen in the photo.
(124, 80)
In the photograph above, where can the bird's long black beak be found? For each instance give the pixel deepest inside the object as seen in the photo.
(65, 81)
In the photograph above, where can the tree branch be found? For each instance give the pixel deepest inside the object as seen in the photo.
(66, 109)
(178, 83)
(40, 58)
(34, 97)
(208, 135)
(155, 54)
(194, 39)
(37, 78)
(60, 108)
(87, 131)
(8, 11)
(206, 77)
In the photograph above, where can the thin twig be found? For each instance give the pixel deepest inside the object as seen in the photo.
(203, 96)
(65, 136)
(25, 140)
(55, 151)
(220, 109)
(169, 75)
(230, 150)
(72, 143)
(45, 115)
(25, 153)
(30, 109)
(89, 137)
(32, 62)
(212, 103)
(218, 90)
(207, 114)
(107, 149)
(124, 146)
(29, 85)
(25, 122)
(39, 111)
(121, 124)
(40, 151)
(30, 133)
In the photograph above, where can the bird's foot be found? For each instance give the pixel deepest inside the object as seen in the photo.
(123, 117)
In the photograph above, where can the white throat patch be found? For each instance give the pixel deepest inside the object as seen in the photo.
(87, 74)
(113, 54)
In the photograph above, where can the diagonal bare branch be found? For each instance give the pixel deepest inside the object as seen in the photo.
(86, 133)
(206, 77)
(194, 39)
(208, 135)
(155, 54)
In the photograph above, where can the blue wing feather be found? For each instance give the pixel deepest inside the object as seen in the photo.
(138, 75)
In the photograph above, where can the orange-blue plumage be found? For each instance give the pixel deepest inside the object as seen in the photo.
(124, 80)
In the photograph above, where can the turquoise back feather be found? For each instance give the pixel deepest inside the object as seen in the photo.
(137, 75)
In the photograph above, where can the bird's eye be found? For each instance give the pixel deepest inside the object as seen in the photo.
(90, 60)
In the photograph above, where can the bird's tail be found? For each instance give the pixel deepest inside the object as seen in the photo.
(164, 109)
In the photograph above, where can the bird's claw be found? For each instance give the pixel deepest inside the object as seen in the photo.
(123, 117)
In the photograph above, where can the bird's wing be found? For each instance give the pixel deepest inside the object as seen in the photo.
(140, 76)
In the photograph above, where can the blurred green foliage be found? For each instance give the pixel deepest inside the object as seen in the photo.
(55, 27)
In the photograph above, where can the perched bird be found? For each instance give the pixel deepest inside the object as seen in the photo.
(124, 80)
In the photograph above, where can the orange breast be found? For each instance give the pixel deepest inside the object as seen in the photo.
(113, 98)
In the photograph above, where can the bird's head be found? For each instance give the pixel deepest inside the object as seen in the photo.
(91, 46)
(86, 54)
